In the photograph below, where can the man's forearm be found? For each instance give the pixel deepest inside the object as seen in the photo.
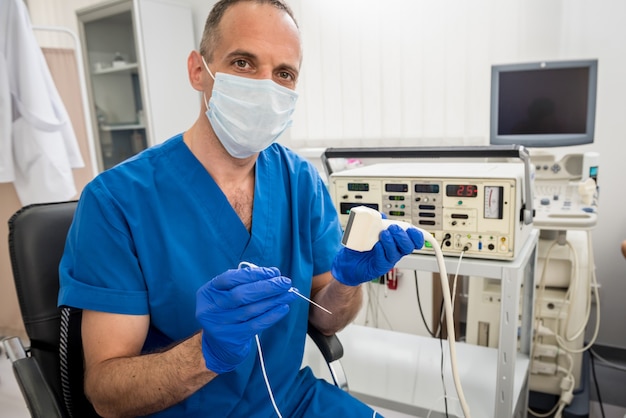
(141, 385)
(343, 301)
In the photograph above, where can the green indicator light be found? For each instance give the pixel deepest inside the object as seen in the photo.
(469, 236)
(460, 202)
(427, 244)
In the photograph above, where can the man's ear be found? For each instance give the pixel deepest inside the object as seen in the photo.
(195, 70)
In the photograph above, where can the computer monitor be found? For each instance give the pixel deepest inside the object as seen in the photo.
(543, 104)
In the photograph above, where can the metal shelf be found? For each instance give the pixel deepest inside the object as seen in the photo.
(516, 276)
(129, 67)
(121, 127)
(402, 372)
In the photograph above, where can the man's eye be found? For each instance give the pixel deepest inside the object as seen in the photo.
(241, 63)
(285, 75)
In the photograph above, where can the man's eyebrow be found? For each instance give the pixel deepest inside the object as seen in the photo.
(240, 53)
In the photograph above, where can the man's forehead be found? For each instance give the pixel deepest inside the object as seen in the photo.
(249, 13)
(251, 27)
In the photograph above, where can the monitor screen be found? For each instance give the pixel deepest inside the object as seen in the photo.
(543, 104)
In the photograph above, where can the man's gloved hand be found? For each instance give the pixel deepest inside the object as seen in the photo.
(235, 306)
(355, 267)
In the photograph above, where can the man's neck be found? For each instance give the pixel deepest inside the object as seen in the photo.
(226, 170)
(235, 177)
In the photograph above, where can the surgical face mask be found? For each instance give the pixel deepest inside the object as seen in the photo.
(247, 114)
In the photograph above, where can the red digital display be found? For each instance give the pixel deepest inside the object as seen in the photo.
(461, 190)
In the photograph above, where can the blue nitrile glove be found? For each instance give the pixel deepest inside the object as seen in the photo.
(235, 306)
(352, 267)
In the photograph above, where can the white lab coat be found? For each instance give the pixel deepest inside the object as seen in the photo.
(38, 146)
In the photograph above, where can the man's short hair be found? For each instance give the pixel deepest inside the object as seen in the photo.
(211, 34)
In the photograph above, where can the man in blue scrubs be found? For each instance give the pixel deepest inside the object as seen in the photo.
(162, 255)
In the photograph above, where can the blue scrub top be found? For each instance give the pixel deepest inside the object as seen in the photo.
(152, 230)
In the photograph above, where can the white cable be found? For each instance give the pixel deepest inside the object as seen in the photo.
(570, 366)
(454, 282)
(267, 382)
(594, 284)
(447, 299)
(572, 291)
(573, 295)
(374, 307)
(447, 302)
(369, 302)
(559, 411)
(372, 298)
(570, 295)
(382, 311)
(608, 363)
(430, 411)
(538, 303)
(374, 304)
(456, 275)
(560, 406)
(543, 415)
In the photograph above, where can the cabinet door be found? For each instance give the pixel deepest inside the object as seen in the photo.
(136, 61)
(112, 65)
(172, 105)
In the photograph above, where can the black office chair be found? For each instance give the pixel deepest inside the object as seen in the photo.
(50, 371)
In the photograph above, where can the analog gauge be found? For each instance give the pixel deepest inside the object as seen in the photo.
(493, 202)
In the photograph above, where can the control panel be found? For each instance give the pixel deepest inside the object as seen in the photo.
(566, 191)
(474, 208)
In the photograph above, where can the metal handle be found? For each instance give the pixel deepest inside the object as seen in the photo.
(490, 151)
(14, 348)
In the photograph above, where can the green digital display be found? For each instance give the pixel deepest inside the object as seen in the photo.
(358, 187)
(426, 188)
(396, 187)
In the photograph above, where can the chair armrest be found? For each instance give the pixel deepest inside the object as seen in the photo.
(329, 346)
(40, 399)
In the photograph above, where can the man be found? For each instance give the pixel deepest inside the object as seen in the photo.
(163, 253)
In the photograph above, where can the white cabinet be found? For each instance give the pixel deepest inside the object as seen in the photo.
(135, 55)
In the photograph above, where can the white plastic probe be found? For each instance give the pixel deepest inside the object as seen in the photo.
(361, 234)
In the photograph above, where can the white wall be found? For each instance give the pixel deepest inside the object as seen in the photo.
(416, 72)
(410, 72)
(406, 72)
(597, 29)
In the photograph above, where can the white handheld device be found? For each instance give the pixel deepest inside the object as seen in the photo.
(364, 226)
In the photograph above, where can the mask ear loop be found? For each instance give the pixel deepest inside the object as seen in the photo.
(206, 103)
(207, 67)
